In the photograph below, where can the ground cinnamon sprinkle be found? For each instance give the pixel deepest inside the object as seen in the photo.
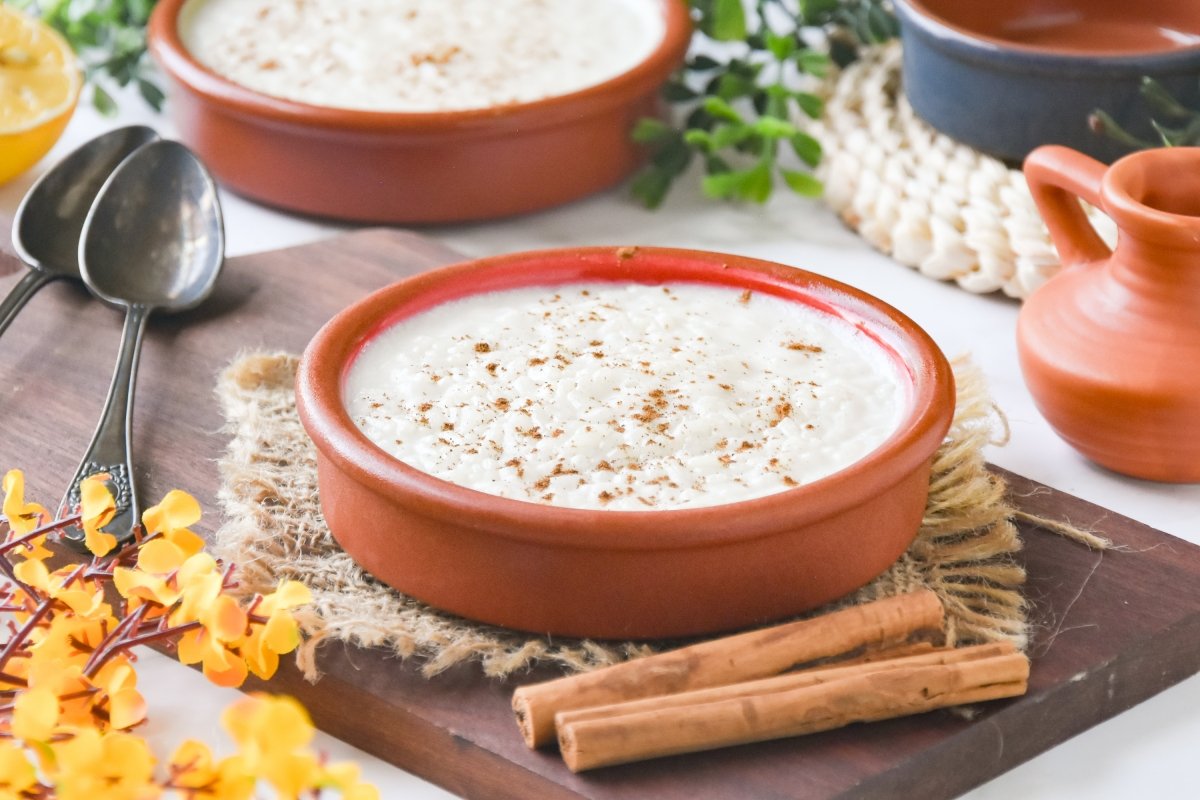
(676, 405)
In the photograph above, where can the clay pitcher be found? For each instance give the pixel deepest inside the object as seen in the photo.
(1110, 347)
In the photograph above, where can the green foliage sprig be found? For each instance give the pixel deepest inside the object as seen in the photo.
(1175, 124)
(739, 93)
(110, 38)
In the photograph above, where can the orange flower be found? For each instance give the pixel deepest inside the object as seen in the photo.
(97, 508)
(172, 518)
(280, 634)
(22, 517)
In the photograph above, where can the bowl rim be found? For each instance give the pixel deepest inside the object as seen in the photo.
(942, 29)
(324, 363)
(173, 56)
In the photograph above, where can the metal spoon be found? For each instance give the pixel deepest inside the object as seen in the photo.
(49, 220)
(152, 242)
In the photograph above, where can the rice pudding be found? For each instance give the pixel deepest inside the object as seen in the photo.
(626, 396)
(420, 55)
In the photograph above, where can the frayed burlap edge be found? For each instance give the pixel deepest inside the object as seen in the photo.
(275, 531)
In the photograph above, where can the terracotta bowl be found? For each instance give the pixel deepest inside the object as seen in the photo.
(626, 574)
(413, 167)
(1006, 76)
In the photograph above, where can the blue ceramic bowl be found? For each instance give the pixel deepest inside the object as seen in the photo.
(1005, 76)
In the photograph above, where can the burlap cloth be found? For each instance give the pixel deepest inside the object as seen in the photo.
(275, 530)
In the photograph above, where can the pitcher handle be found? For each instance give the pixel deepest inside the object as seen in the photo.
(1057, 177)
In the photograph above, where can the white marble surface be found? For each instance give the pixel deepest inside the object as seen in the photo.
(1145, 752)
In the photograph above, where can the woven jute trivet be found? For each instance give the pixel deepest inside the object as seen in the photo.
(274, 530)
(923, 198)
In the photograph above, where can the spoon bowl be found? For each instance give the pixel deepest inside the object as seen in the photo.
(153, 241)
(165, 201)
(49, 221)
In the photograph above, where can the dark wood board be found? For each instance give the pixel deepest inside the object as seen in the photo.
(1110, 629)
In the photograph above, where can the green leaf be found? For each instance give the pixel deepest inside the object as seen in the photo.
(731, 86)
(780, 46)
(757, 184)
(881, 25)
(728, 135)
(651, 186)
(702, 63)
(1161, 100)
(802, 183)
(812, 62)
(699, 139)
(774, 128)
(807, 148)
(729, 21)
(151, 94)
(721, 109)
(753, 184)
(723, 185)
(810, 104)
(675, 92)
(815, 10)
(649, 130)
(103, 101)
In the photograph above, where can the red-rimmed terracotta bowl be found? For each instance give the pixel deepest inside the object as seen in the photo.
(627, 574)
(413, 167)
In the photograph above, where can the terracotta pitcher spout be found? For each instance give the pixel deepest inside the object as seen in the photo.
(1110, 347)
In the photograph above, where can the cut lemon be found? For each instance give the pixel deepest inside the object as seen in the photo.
(39, 86)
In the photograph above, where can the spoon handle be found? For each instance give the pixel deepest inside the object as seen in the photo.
(110, 449)
(19, 295)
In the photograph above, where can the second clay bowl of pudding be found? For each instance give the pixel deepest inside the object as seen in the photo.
(1006, 76)
(624, 442)
(416, 111)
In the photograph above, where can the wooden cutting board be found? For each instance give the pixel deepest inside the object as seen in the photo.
(1110, 629)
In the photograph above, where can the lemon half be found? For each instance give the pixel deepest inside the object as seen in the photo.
(39, 86)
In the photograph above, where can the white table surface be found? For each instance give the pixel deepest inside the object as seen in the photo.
(1147, 752)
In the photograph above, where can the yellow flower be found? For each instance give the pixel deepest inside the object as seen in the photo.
(280, 634)
(35, 713)
(97, 508)
(171, 518)
(271, 733)
(125, 705)
(223, 624)
(85, 598)
(110, 766)
(138, 586)
(22, 517)
(16, 773)
(345, 778)
(192, 767)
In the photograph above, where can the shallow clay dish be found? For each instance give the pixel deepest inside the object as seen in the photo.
(1005, 76)
(413, 167)
(635, 574)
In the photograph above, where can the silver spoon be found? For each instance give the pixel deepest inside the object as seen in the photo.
(152, 242)
(49, 220)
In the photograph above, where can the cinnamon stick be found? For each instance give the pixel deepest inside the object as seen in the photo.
(780, 683)
(746, 656)
(880, 694)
